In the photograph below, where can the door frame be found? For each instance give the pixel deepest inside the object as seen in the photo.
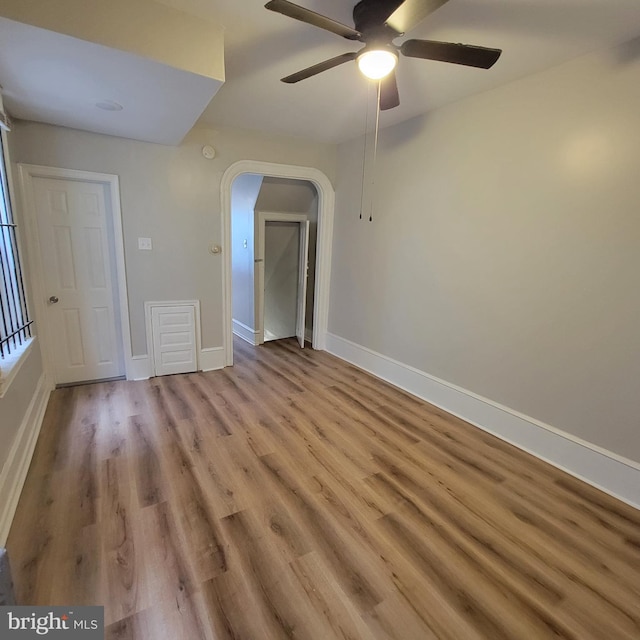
(29, 172)
(326, 206)
(262, 217)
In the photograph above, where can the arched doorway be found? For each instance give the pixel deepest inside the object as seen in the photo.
(326, 204)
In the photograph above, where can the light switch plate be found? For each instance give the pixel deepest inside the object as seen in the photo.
(144, 244)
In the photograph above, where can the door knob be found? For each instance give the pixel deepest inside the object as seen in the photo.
(53, 299)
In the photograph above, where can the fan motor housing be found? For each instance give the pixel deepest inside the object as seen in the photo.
(369, 19)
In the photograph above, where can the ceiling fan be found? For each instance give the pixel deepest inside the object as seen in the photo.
(376, 24)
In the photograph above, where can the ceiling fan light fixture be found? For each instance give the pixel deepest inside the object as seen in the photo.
(378, 62)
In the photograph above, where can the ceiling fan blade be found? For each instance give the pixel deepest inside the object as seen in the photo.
(389, 97)
(320, 67)
(311, 17)
(466, 54)
(410, 12)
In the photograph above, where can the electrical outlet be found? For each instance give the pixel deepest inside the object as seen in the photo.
(144, 244)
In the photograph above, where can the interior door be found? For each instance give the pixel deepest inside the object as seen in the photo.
(302, 282)
(76, 249)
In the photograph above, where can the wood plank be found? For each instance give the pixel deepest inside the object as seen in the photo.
(295, 496)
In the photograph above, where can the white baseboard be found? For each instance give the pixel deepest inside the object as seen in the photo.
(246, 333)
(212, 359)
(17, 464)
(603, 469)
(141, 368)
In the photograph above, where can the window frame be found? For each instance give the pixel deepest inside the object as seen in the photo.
(11, 363)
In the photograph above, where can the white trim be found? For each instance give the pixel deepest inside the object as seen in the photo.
(12, 363)
(608, 471)
(246, 333)
(5, 120)
(212, 359)
(27, 173)
(14, 471)
(141, 368)
(326, 205)
(308, 334)
(148, 307)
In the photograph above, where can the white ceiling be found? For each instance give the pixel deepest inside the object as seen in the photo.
(54, 78)
(262, 46)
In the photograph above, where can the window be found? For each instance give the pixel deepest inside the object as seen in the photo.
(15, 325)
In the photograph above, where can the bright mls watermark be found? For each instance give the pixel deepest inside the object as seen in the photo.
(53, 623)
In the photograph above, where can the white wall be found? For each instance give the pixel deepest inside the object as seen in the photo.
(172, 195)
(285, 195)
(503, 256)
(244, 193)
(21, 413)
(14, 405)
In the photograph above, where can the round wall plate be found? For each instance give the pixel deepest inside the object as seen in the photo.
(208, 152)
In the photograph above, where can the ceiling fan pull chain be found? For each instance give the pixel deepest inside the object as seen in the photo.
(375, 150)
(364, 153)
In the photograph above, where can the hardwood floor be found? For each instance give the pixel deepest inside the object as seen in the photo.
(295, 496)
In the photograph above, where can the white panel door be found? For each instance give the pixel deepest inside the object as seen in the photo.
(78, 278)
(174, 339)
(302, 282)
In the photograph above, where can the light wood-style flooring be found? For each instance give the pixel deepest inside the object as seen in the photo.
(294, 496)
